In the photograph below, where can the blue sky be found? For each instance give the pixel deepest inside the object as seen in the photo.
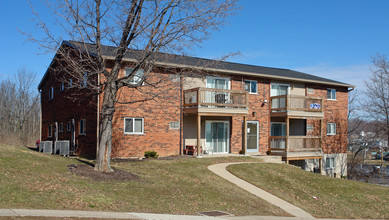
(329, 38)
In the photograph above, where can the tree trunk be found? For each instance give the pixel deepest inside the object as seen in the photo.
(103, 156)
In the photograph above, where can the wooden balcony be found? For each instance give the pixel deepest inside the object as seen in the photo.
(295, 146)
(296, 106)
(209, 101)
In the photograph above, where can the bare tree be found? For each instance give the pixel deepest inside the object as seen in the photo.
(19, 108)
(147, 26)
(376, 103)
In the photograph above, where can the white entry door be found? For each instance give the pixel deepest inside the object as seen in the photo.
(217, 135)
(252, 136)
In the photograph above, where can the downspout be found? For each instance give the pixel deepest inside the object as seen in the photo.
(40, 118)
(181, 113)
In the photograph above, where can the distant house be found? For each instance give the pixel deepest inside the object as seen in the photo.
(227, 108)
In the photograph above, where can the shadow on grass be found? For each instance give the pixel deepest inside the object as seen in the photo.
(86, 162)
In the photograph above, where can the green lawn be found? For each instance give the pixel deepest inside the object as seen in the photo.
(29, 179)
(336, 198)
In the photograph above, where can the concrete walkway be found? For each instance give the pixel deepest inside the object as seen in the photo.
(15, 213)
(220, 169)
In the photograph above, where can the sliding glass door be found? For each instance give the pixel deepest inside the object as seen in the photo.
(217, 135)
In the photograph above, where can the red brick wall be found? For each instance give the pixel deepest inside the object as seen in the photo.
(258, 111)
(335, 111)
(67, 105)
(157, 114)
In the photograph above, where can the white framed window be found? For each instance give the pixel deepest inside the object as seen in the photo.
(137, 77)
(331, 129)
(51, 93)
(309, 127)
(60, 127)
(50, 131)
(331, 94)
(70, 84)
(84, 81)
(82, 127)
(330, 163)
(251, 86)
(62, 87)
(310, 91)
(133, 126)
(218, 82)
(69, 126)
(174, 125)
(277, 89)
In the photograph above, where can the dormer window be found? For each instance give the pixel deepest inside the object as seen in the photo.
(137, 77)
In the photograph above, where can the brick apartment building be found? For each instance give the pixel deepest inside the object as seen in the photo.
(221, 108)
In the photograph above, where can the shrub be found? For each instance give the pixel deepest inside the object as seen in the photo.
(151, 154)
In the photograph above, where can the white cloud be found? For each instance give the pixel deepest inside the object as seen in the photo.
(351, 74)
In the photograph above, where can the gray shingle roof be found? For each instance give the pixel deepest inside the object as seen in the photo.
(218, 66)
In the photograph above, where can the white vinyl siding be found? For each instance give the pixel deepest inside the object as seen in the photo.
(133, 126)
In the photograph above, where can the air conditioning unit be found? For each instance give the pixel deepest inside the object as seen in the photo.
(221, 98)
(41, 146)
(48, 147)
(64, 147)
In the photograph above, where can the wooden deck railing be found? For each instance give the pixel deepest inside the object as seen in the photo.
(206, 97)
(295, 143)
(296, 103)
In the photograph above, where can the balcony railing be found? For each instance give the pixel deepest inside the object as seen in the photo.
(207, 97)
(295, 143)
(296, 103)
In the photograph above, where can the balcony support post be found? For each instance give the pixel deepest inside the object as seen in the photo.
(198, 134)
(287, 135)
(245, 134)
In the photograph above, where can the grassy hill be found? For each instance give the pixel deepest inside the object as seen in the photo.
(29, 179)
(319, 195)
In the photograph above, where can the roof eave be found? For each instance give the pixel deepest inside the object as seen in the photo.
(231, 72)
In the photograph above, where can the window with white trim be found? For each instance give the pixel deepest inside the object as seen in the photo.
(70, 84)
(174, 125)
(82, 127)
(133, 126)
(218, 82)
(331, 94)
(330, 163)
(69, 126)
(310, 91)
(331, 129)
(309, 127)
(251, 86)
(50, 131)
(60, 127)
(137, 77)
(62, 87)
(51, 93)
(84, 80)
